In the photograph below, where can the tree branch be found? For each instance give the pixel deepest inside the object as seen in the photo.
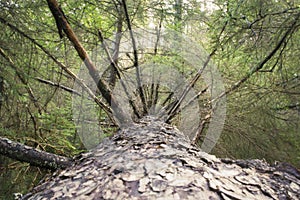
(60, 19)
(33, 156)
(65, 68)
(58, 85)
(118, 72)
(136, 62)
(172, 112)
(264, 61)
(94, 73)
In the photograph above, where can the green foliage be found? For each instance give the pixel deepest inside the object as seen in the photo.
(58, 131)
(263, 114)
(258, 130)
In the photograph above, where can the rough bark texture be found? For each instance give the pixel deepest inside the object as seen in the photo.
(33, 156)
(153, 160)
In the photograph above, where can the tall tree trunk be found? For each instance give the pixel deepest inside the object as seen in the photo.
(153, 160)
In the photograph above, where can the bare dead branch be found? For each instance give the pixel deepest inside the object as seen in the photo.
(264, 61)
(193, 99)
(191, 84)
(33, 156)
(65, 68)
(136, 61)
(118, 73)
(58, 85)
(94, 73)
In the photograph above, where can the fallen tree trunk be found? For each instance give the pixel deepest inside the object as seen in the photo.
(153, 160)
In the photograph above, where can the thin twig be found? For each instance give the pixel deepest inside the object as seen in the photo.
(59, 86)
(263, 62)
(191, 100)
(176, 106)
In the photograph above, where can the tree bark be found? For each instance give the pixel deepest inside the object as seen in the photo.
(102, 86)
(33, 156)
(153, 160)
